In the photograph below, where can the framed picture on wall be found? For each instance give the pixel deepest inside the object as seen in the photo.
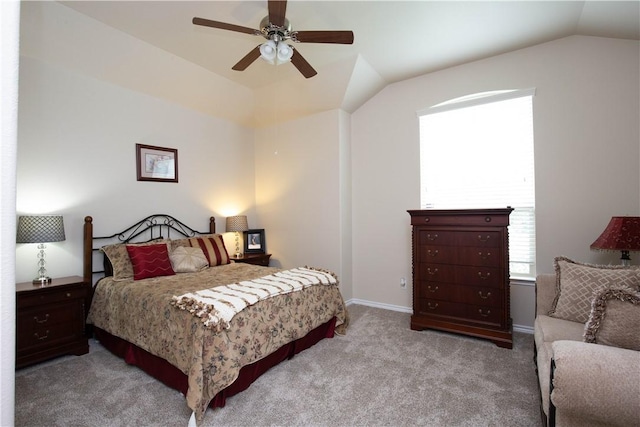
(156, 163)
(254, 241)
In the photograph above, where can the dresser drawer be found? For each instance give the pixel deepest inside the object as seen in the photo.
(46, 326)
(489, 316)
(474, 295)
(461, 218)
(456, 274)
(489, 257)
(472, 238)
(30, 299)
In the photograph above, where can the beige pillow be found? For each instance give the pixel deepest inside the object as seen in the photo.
(576, 283)
(615, 319)
(188, 260)
(119, 258)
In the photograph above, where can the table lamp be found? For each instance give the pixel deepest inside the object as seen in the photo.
(622, 234)
(40, 229)
(236, 224)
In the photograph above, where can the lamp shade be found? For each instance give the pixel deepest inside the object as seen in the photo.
(40, 229)
(237, 223)
(622, 234)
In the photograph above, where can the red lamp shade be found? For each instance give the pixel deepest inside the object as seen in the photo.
(622, 234)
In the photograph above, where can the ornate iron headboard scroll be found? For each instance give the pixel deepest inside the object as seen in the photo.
(151, 227)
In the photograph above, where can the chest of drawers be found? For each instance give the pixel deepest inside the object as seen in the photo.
(461, 272)
(50, 320)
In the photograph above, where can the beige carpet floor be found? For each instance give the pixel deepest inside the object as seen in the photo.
(380, 374)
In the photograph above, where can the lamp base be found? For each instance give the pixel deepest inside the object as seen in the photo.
(41, 280)
(625, 259)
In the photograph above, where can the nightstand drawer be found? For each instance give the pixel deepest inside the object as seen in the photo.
(43, 327)
(50, 319)
(30, 299)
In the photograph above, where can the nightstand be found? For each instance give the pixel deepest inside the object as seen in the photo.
(50, 320)
(255, 259)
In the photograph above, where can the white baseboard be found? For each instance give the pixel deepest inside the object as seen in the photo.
(517, 328)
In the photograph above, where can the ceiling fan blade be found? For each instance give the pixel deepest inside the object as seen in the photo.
(302, 65)
(248, 59)
(339, 37)
(223, 26)
(277, 10)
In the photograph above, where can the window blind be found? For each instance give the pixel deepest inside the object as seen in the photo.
(477, 152)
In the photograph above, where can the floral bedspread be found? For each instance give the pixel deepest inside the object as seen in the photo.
(140, 312)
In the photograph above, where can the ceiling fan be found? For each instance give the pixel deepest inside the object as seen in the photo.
(276, 29)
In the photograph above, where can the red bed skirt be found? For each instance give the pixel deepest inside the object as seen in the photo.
(174, 378)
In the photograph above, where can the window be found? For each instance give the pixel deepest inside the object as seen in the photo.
(477, 152)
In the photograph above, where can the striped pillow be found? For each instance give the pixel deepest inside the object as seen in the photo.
(213, 248)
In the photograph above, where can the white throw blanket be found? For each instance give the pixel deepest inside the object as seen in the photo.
(217, 306)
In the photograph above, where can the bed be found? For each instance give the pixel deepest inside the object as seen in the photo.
(208, 331)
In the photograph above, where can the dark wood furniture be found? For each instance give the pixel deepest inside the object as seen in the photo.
(255, 259)
(50, 320)
(461, 272)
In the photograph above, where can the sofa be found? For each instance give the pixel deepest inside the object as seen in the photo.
(587, 344)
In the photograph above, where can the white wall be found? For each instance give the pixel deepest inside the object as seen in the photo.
(299, 178)
(9, 31)
(76, 157)
(587, 155)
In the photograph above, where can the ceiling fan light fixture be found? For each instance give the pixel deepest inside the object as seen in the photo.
(268, 51)
(285, 52)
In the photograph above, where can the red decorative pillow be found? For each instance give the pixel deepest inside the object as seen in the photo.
(213, 248)
(150, 261)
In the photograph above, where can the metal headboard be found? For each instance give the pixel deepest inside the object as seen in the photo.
(151, 227)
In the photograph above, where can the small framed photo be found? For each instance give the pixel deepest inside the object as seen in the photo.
(156, 163)
(254, 241)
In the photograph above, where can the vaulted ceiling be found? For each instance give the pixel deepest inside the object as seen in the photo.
(394, 40)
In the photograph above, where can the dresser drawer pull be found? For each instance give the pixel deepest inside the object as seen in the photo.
(484, 255)
(484, 296)
(68, 294)
(432, 253)
(487, 219)
(46, 317)
(435, 271)
(44, 337)
(432, 307)
(432, 237)
(485, 277)
(483, 314)
(432, 290)
(483, 239)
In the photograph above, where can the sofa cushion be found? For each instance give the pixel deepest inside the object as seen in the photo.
(614, 319)
(576, 283)
(549, 329)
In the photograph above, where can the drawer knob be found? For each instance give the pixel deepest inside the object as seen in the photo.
(427, 219)
(484, 296)
(432, 306)
(483, 239)
(483, 314)
(485, 276)
(487, 219)
(432, 237)
(435, 271)
(68, 294)
(44, 337)
(432, 253)
(37, 320)
(432, 290)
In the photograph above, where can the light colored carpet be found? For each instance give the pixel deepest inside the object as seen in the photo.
(380, 374)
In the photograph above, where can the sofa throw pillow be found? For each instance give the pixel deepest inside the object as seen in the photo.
(576, 283)
(614, 319)
(150, 261)
(118, 256)
(213, 248)
(188, 260)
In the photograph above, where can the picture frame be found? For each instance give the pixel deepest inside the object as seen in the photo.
(254, 242)
(156, 163)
